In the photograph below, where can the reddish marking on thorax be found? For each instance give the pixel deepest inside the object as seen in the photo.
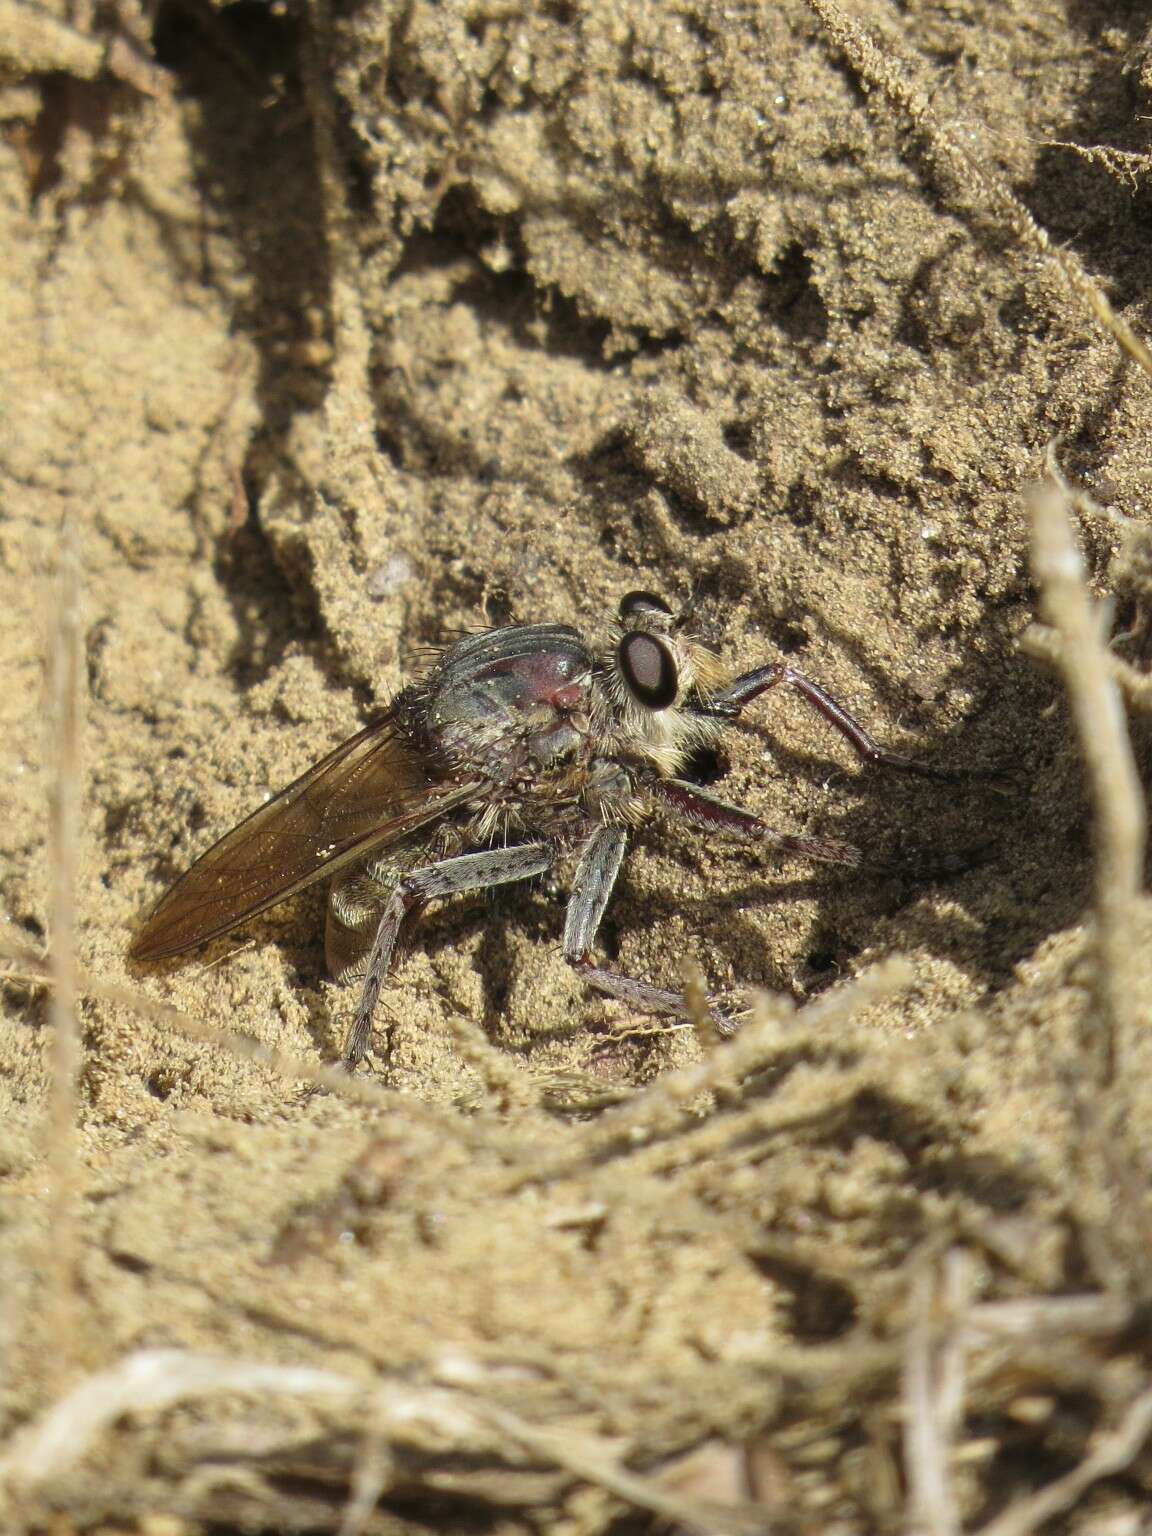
(571, 696)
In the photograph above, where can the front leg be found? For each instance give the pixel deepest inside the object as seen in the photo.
(468, 872)
(596, 871)
(732, 700)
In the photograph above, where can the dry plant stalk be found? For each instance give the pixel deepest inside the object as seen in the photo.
(1128, 165)
(670, 1104)
(429, 1418)
(1114, 1453)
(1043, 645)
(1037, 1319)
(506, 1084)
(65, 724)
(1117, 794)
(877, 68)
(934, 1378)
(947, 1330)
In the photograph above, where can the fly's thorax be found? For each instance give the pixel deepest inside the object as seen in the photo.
(513, 700)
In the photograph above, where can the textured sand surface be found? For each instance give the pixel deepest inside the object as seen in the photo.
(334, 337)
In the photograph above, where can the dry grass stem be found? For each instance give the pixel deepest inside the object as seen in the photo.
(148, 1382)
(1130, 166)
(507, 1085)
(1044, 645)
(775, 1028)
(1047, 1317)
(65, 726)
(371, 1475)
(436, 1421)
(673, 1100)
(927, 1447)
(933, 1392)
(593, 1460)
(26, 965)
(1114, 1454)
(963, 175)
(696, 1004)
(1117, 794)
(385, 323)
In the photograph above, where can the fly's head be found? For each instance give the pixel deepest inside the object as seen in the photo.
(659, 678)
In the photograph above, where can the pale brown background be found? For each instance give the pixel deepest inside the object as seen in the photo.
(621, 294)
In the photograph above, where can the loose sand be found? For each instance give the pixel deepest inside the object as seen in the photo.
(335, 338)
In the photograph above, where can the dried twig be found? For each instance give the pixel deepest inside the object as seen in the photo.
(933, 1390)
(1035, 1319)
(437, 1421)
(670, 1102)
(1043, 645)
(27, 965)
(1127, 165)
(147, 1382)
(1117, 795)
(63, 766)
(696, 1006)
(1114, 1453)
(507, 1085)
(372, 1472)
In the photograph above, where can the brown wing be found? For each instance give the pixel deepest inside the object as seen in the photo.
(370, 790)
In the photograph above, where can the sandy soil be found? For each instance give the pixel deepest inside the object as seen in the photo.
(333, 337)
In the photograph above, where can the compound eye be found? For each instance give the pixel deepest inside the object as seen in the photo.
(633, 604)
(649, 669)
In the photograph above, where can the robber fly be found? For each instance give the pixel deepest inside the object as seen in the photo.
(522, 747)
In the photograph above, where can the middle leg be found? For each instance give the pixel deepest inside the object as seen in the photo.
(702, 809)
(596, 871)
(467, 872)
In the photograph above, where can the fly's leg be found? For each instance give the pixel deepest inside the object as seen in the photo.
(355, 901)
(700, 808)
(697, 806)
(468, 872)
(732, 700)
(596, 872)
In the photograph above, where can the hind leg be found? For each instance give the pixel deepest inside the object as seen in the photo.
(449, 877)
